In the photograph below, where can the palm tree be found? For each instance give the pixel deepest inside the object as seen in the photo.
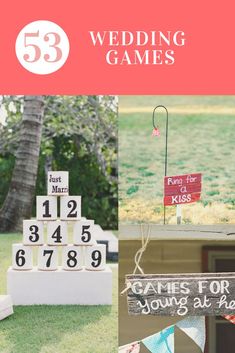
(18, 203)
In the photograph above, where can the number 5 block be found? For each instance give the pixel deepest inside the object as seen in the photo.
(22, 257)
(70, 208)
(47, 258)
(57, 233)
(46, 208)
(83, 233)
(95, 257)
(72, 258)
(32, 232)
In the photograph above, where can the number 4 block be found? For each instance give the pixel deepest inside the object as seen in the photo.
(57, 233)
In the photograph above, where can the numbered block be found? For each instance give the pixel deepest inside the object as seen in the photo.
(60, 287)
(22, 257)
(33, 232)
(72, 258)
(47, 258)
(70, 208)
(58, 183)
(57, 233)
(95, 257)
(46, 208)
(83, 233)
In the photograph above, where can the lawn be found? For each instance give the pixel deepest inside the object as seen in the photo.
(201, 139)
(60, 329)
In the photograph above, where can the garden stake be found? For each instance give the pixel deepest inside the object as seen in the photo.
(157, 133)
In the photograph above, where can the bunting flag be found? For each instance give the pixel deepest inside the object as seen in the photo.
(133, 347)
(161, 342)
(195, 328)
(230, 318)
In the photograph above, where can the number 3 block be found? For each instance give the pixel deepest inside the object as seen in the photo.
(70, 208)
(57, 233)
(83, 233)
(47, 258)
(22, 257)
(46, 208)
(32, 232)
(72, 258)
(96, 257)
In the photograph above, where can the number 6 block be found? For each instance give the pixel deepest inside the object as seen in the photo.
(22, 257)
(46, 208)
(83, 233)
(70, 208)
(72, 258)
(32, 232)
(95, 257)
(47, 258)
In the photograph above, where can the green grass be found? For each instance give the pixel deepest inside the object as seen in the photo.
(56, 329)
(201, 139)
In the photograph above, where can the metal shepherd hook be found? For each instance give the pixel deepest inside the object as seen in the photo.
(166, 145)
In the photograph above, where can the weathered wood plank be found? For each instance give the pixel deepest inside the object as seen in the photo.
(181, 294)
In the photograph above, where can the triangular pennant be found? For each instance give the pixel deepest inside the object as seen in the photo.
(195, 328)
(230, 318)
(161, 342)
(133, 347)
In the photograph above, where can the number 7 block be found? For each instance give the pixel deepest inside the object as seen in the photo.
(47, 258)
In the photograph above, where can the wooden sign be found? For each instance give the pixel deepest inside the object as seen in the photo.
(182, 189)
(181, 294)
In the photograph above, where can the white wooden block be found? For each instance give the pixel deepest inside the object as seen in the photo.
(57, 233)
(22, 257)
(46, 208)
(72, 258)
(60, 287)
(95, 257)
(83, 233)
(70, 208)
(58, 183)
(6, 306)
(33, 232)
(47, 258)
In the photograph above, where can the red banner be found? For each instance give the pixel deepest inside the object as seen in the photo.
(182, 189)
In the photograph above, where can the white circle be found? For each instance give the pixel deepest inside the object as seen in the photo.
(42, 47)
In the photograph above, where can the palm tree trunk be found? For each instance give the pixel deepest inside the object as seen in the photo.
(18, 203)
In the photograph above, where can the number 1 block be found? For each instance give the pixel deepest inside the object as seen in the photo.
(95, 257)
(33, 232)
(47, 258)
(46, 208)
(57, 233)
(22, 257)
(70, 208)
(83, 233)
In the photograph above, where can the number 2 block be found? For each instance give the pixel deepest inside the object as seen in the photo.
(70, 208)
(47, 258)
(32, 232)
(46, 208)
(22, 257)
(57, 233)
(72, 258)
(83, 233)
(95, 257)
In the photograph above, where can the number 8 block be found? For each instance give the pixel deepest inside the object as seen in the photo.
(47, 258)
(72, 258)
(22, 257)
(95, 257)
(70, 208)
